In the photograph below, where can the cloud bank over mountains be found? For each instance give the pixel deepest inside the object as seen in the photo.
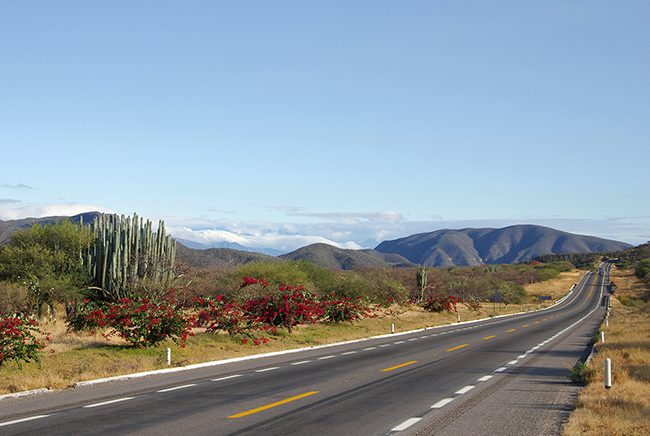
(366, 230)
(16, 209)
(342, 229)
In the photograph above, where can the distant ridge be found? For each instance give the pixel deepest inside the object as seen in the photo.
(332, 257)
(7, 228)
(442, 248)
(218, 257)
(520, 243)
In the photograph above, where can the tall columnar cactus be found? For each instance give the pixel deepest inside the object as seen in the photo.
(127, 251)
(421, 277)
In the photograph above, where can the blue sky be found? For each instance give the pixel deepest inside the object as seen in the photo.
(276, 124)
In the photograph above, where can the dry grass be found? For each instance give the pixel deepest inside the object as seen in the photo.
(556, 288)
(80, 357)
(625, 408)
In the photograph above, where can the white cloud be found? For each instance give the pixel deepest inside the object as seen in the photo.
(256, 237)
(17, 186)
(11, 212)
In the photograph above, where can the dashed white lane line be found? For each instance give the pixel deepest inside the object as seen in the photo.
(424, 337)
(398, 342)
(369, 348)
(442, 403)
(384, 345)
(302, 362)
(331, 356)
(512, 362)
(413, 339)
(175, 388)
(503, 368)
(406, 424)
(465, 390)
(18, 421)
(106, 403)
(521, 356)
(484, 378)
(228, 377)
(348, 352)
(267, 369)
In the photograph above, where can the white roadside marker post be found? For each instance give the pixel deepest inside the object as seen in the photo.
(608, 373)
(169, 356)
(458, 317)
(392, 328)
(606, 322)
(602, 337)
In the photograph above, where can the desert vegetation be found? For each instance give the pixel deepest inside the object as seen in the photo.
(84, 300)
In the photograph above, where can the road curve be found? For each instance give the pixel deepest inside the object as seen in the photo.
(407, 383)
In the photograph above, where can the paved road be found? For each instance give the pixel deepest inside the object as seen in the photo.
(438, 381)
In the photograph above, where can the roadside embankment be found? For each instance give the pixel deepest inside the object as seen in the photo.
(625, 408)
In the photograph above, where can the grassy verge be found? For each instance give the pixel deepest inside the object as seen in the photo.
(556, 288)
(79, 357)
(625, 408)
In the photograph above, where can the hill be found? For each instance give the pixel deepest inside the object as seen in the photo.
(7, 228)
(218, 256)
(520, 243)
(332, 257)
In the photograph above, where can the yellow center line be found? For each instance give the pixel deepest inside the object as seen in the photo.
(511, 330)
(457, 348)
(270, 406)
(489, 337)
(524, 326)
(536, 322)
(401, 365)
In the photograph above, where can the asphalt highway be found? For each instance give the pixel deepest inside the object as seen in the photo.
(403, 383)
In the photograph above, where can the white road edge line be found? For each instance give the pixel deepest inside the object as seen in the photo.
(106, 403)
(442, 403)
(228, 377)
(175, 388)
(406, 424)
(465, 390)
(18, 421)
(267, 369)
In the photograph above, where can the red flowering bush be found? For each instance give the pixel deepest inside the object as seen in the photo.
(441, 303)
(288, 307)
(338, 308)
(138, 320)
(18, 341)
(219, 314)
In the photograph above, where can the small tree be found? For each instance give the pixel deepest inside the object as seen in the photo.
(47, 260)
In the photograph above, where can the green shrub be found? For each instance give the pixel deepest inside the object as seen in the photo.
(581, 374)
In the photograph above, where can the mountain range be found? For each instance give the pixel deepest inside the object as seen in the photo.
(513, 244)
(441, 248)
